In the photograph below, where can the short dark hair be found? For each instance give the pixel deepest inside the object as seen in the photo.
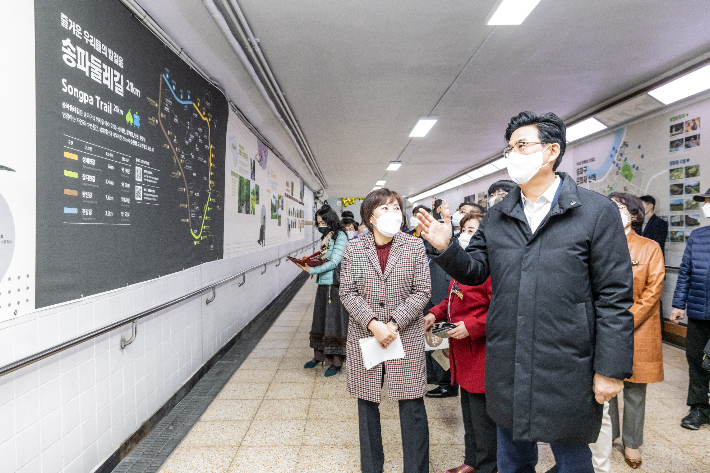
(331, 219)
(649, 200)
(634, 205)
(478, 208)
(347, 213)
(375, 199)
(472, 216)
(417, 207)
(504, 185)
(550, 129)
(349, 221)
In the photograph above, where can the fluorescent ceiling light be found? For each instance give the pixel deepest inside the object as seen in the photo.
(512, 12)
(682, 87)
(465, 178)
(380, 183)
(475, 174)
(422, 127)
(500, 164)
(376, 188)
(584, 128)
(393, 166)
(488, 169)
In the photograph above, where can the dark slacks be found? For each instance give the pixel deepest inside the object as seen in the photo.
(697, 338)
(435, 373)
(480, 433)
(515, 456)
(415, 436)
(634, 414)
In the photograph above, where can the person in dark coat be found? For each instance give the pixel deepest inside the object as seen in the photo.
(559, 333)
(653, 228)
(692, 298)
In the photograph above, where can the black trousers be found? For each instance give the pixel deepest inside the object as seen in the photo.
(480, 433)
(415, 436)
(435, 373)
(697, 338)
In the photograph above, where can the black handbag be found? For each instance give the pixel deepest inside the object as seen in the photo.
(336, 276)
(706, 357)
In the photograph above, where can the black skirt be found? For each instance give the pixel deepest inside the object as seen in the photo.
(329, 331)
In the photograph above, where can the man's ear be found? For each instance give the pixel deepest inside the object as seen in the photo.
(554, 153)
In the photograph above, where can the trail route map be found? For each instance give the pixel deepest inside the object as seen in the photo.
(187, 127)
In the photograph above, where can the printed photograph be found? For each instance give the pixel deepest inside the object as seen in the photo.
(692, 125)
(256, 189)
(274, 207)
(676, 189)
(692, 171)
(692, 220)
(676, 145)
(676, 173)
(677, 236)
(692, 141)
(691, 204)
(692, 187)
(677, 221)
(676, 205)
(244, 198)
(677, 129)
(253, 169)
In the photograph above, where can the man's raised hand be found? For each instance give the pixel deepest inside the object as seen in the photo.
(435, 232)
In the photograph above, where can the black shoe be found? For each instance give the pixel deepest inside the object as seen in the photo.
(443, 391)
(695, 418)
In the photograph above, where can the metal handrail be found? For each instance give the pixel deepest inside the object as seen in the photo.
(672, 267)
(28, 360)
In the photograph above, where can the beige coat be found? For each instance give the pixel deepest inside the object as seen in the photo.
(649, 272)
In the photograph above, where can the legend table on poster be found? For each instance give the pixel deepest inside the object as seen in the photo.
(100, 184)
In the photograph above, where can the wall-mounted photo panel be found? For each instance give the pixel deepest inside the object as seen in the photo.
(677, 221)
(692, 141)
(676, 205)
(676, 173)
(692, 220)
(692, 187)
(676, 189)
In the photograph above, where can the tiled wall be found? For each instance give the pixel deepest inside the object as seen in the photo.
(69, 412)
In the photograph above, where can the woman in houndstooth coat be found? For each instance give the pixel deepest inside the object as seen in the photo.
(385, 286)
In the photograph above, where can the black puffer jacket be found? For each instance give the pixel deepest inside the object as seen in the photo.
(559, 312)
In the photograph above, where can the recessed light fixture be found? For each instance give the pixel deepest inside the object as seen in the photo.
(422, 127)
(394, 165)
(682, 87)
(511, 12)
(584, 128)
(380, 183)
(376, 188)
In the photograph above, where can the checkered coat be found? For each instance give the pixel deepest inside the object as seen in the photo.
(400, 294)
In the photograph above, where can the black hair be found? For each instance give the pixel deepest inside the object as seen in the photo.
(504, 185)
(349, 221)
(331, 220)
(376, 199)
(416, 208)
(347, 214)
(478, 208)
(649, 200)
(550, 129)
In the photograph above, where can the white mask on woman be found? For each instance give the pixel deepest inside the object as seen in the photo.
(523, 167)
(706, 210)
(389, 223)
(625, 220)
(456, 218)
(351, 234)
(464, 239)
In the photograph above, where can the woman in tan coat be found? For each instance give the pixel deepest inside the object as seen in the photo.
(649, 272)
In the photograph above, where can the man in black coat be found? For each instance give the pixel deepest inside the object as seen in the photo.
(559, 333)
(654, 228)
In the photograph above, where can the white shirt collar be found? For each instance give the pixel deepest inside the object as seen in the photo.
(546, 196)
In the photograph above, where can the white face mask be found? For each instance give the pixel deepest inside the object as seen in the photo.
(365, 231)
(456, 218)
(523, 167)
(464, 240)
(351, 234)
(706, 210)
(413, 223)
(625, 220)
(389, 223)
(494, 200)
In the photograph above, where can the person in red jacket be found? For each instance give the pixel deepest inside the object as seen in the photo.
(467, 307)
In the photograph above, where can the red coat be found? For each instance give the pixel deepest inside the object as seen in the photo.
(467, 355)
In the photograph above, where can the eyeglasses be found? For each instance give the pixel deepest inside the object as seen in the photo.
(519, 147)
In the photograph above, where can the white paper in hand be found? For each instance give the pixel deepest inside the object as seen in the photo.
(373, 354)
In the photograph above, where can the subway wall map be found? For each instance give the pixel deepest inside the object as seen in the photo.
(131, 148)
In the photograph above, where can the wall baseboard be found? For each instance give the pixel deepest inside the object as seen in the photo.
(267, 316)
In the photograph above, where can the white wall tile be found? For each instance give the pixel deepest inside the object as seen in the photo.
(7, 388)
(87, 375)
(31, 467)
(51, 458)
(69, 385)
(7, 427)
(71, 445)
(68, 324)
(26, 379)
(50, 400)
(85, 318)
(51, 429)
(49, 368)
(7, 454)
(27, 410)
(71, 416)
(28, 445)
(25, 339)
(88, 404)
(103, 420)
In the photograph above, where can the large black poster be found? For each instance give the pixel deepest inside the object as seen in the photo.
(130, 154)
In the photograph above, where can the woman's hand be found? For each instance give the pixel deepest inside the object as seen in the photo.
(460, 330)
(384, 333)
(305, 267)
(429, 320)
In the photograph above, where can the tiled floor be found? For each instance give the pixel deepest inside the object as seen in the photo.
(275, 416)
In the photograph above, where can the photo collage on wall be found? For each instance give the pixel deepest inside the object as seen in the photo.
(684, 177)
